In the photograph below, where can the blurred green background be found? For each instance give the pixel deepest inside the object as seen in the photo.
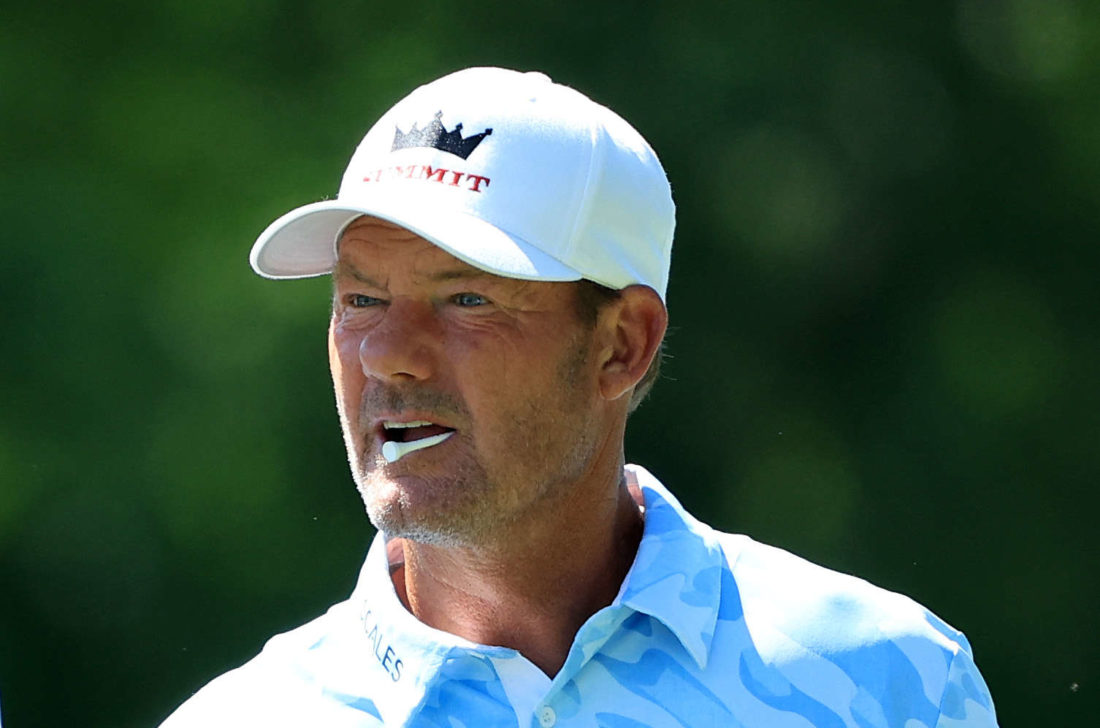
(885, 320)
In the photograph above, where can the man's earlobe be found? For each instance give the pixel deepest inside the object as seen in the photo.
(636, 323)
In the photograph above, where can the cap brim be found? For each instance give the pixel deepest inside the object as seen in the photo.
(302, 243)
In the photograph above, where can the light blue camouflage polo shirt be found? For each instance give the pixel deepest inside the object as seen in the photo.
(708, 629)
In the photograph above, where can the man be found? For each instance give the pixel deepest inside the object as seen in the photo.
(499, 251)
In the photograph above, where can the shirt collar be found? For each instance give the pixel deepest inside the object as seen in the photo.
(376, 591)
(407, 655)
(677, 575)
(675, 578)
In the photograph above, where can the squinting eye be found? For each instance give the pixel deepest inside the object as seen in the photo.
(359, 300)
(470, 299)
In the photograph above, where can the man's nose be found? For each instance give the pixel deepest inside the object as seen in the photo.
(403, 345)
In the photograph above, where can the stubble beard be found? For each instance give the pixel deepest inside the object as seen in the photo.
(439, 510)
(466, 506)
(451, 510)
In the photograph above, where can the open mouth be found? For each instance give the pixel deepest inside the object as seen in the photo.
(402, 438)
(409, 431)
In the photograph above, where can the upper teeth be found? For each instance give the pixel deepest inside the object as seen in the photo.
(404, 425)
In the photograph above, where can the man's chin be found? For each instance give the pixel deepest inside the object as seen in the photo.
(456, 507)
(403, 510)
(397, 523)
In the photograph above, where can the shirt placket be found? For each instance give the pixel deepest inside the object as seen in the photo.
(540, 702)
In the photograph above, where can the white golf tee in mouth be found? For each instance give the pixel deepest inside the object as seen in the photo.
(394, 451)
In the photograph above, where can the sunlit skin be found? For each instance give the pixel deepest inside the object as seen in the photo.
(520, 525)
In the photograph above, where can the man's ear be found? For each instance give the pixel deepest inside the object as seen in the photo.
(634, 325)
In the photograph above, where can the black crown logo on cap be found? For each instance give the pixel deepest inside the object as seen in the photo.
(435, 135)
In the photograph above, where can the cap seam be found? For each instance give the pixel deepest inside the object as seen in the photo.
(583, 209)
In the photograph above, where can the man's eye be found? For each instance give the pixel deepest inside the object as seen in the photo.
(470, 299)
(359, 300)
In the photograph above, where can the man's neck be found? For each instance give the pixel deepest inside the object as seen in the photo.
(533, 588)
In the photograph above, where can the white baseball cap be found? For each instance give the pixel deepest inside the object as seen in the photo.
(508, 171)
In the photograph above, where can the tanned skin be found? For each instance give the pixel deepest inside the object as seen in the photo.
(521, 525)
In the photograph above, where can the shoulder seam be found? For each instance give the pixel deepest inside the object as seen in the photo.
(946, 684)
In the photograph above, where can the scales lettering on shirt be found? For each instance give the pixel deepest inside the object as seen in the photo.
(382, 650)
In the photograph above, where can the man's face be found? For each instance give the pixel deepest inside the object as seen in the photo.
(420, 336)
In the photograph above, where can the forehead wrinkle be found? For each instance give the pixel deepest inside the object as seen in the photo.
(343, 269)
(468, 272)
(461, 271)
(385, 235)
(426, 264)
(365, 226)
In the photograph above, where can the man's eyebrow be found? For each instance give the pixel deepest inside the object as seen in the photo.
(454, 274)
(346, 270)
